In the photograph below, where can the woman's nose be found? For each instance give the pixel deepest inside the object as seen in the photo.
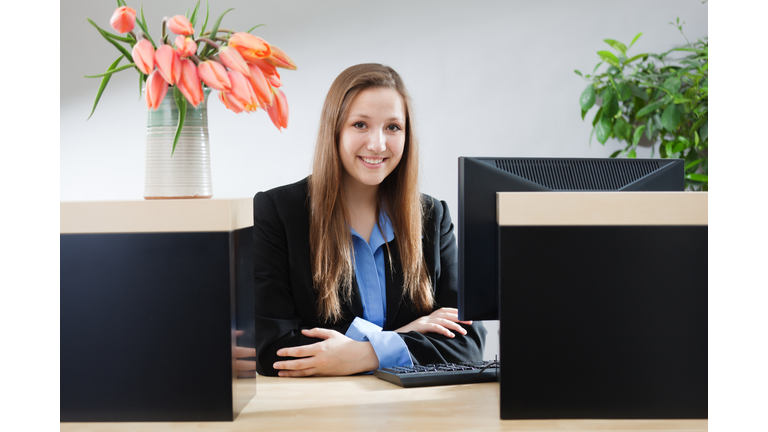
(378, 142)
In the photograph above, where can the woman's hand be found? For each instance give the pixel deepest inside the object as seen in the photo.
(441, 321)
(335, 355)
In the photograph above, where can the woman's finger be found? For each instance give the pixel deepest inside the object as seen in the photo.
(299, 364)
(437, 328)
(297, 373)
(299, 351)
(241, 352)
(245, 365)
(319, 333)
(451, 325)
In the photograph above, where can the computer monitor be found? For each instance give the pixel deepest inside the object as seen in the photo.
(481, 177)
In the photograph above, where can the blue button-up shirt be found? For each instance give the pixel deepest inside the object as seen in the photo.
(370, 274)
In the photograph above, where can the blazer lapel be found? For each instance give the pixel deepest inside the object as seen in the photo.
(394, 279)
(355, 304)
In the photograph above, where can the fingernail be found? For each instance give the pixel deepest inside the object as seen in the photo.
(452, 335)
(282, 374)
(276, 365)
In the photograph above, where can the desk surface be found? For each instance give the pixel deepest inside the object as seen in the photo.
(367, 403)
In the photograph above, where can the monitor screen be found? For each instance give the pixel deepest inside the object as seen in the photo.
(481, 177)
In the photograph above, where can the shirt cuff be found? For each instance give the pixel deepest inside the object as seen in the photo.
(389, 347)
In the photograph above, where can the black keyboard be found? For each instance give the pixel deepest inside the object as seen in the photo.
(441, 374)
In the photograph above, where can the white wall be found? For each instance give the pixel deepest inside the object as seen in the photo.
(489, 78)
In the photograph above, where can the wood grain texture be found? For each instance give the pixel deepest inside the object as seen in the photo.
(365, 403)
(156, 216)
(601, 208)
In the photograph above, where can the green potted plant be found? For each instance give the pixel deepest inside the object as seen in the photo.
(655, 98)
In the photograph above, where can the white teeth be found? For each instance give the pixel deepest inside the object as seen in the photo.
(372, 161)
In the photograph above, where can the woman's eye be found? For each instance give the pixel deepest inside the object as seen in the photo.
(393, 127)
(359, 125)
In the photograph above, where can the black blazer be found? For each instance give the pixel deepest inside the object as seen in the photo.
(286, 301)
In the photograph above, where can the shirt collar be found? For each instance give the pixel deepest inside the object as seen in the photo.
(377, 239)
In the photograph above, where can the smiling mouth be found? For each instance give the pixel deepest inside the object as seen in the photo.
(372, 161)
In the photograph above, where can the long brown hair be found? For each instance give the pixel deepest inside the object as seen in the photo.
(330, 238)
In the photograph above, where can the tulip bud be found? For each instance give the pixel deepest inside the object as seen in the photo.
(214, 75)
(278, 111)
(242, 91)
(230, 102)
(233, 60)
(280, 59)
(123, 19)
(144, 56)
(155, 90)
(180, 25)
(260, 85)
(250, 47)
(269, 71)
(189, 84)
(185, 46)
(168, 63)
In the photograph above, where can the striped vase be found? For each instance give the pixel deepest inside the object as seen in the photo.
(186, 174)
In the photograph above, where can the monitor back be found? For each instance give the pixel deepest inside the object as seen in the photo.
(479, 180)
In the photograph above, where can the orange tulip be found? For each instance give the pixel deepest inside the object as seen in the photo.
(185, 46)
(242, 91)
(123, 19)
(169, 64)
(269, 71)
(214, 75)
(144, 56)
(260, 85)
(250, 47)
(233, 60)
(278, 111)
(280, 59)
(189, 84)
(180, 25)
(156, 89)
(230, 102)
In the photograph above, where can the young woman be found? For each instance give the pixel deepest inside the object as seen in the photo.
(354, 268)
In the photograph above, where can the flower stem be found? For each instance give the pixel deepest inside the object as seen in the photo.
(208, 33)
(210, 43)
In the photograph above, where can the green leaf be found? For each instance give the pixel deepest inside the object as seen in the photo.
(596, 66)
(649, 129)
(678, 146)
(205, 23)
(215, 28)
(678, 99)
(657, 122)
(623, 91)
(587, 99)
(142, 23)
(110, 72)
(622, 129)
(193, 19)
(255, 27)
(635, 40)
(697, 177)
(614, 154)
(671, 116)
(610, 103)
(603, 129)
(103, 85)
(578, 73)
(704, 131)
(638, 134)
(122, 49)
(637, 91)
(632, 154)
(695, 139)
(633, 58)
(698, 123)
(597, 116)
(120, 3)
(181, 103)
(583, 113)
(618, 46)
(609, 58)
(654, 106)
(671, 85)
(691, 165)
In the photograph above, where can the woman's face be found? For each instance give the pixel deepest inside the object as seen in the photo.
(372, 138)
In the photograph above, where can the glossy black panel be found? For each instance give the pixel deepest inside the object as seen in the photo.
(603, 322)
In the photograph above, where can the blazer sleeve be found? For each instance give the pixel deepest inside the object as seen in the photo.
(432, 347)
(284, 305)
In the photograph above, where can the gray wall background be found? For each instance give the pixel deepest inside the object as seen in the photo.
(488, 78)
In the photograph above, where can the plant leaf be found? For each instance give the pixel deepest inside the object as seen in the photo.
(614, 154)
(122, 49)
(181, 103)
(193, 19)
(671, 85)
(618, 46)
(654, 106)
(587, 99)
(637, 91)
(578, 73)
(638, 134)
(583, 113)
(110, 72)
(610, 103)
(603, 129)
(255, 27)
(597, 116)
(205, 23)
(692, 164)
(697, 177)
(704, 131)
(670, 118)
(622, 129)
(596, 66)
(632, 154)
(633, 58)
(103, 85)
(215, 28)
(609, 58)
(635, 40)
(142, 23)
(623, 91)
